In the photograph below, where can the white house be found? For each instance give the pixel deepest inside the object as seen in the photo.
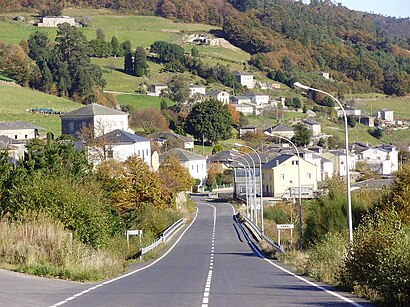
(384, 159)
(101, 118)
(19, 130)
(120, 145)
(240, 100)
(281, 130)
(386, 115)
(15, 148)
(257, 98)
(339, 161)
(54, 21)
(313, 126)
(245, 109)
(157, 88)
(197, 89)
(221, 96)
(196, 164)
(350, 111)
(244, 78)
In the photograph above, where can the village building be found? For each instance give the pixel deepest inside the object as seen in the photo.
(20, 130)
(55, 21)
(244, 78)
(221, 96)
(102, 120)
(157, 89)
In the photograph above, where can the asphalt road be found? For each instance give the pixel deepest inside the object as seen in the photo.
(212, 264)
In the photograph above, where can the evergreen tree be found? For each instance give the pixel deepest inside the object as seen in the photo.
(115, 47)
(128, 63)
(140, 62)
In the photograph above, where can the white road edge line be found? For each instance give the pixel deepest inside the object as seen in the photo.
(132, 272)
(293, 274)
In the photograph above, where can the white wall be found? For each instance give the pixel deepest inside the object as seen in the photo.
(197, 169)
(107, 123)
(19, 134)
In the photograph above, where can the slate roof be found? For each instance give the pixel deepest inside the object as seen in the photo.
(222, 156)
(92, 110)
(277, 161)
(310, 122)
(213, 93)
(182, 155)
(18, 125)
(373, 183)
(279, 127)
(122, 137)
(170, 134)
(249, 94)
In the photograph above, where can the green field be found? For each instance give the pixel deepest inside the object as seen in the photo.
(140, 30)
(15, 103)
(400, 106)
(139, 102)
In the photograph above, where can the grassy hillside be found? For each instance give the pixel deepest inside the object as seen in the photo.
(17, 101)
(139, 102)
(400, 106)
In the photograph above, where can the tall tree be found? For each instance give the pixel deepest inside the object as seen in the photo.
(302, 135)
(115, 47)
(140, 62)
(209, 120)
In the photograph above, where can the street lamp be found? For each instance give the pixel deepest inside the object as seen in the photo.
(260, 180)
(349, 198)
(247, 194)
(299, 184)
(254, 211)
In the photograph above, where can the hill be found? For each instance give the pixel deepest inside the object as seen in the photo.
(16, 103)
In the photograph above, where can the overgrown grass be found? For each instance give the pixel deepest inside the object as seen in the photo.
(41, 246)
(17, 101)
(324, 261)
(400, 106)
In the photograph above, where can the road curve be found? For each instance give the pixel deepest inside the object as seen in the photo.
(212, 264)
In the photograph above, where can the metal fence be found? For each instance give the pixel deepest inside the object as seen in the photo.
(256, 231)
(168, 233)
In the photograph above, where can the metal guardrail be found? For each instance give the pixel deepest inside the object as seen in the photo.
(168, 233)
(255, 229)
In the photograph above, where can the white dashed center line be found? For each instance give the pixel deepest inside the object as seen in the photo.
(207, 290)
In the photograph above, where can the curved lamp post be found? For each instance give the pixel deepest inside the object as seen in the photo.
(249, 195)
(246, 186)
(260, 180)
(299, 184)
(349, 198)
(254, 212)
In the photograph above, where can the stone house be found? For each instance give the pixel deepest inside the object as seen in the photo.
(20, 130)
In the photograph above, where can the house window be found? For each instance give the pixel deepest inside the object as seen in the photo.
(295, 162)
(25, 136)
(282, 176)
(139, 153)
(15, 136)
(309, 175)
(192, 167)
(270, 177)
(71, 127)
(147, 152)
(197, 168)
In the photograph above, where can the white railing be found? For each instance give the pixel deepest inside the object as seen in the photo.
(168, 233)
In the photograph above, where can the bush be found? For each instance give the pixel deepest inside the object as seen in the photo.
(379, 260)
(326, 258)
(40, 245)
(278, 215)
(81, 207)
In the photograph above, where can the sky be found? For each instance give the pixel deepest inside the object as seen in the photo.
(396, 8)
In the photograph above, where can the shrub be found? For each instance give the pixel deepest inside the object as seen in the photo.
(326, 258)
(276, 214)
(379, 260)
(81, 207)
(40, 245)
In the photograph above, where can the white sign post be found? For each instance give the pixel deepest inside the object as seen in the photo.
(284, 226)
(137, 232)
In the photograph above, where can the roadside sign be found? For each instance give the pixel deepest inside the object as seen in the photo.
(134, 232)
(285, 226)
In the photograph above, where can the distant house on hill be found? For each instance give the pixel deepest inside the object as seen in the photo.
(55, 21)
(157, 88)
(101, 118)
(281, 130)
(244, 78)
(170, 139)
(20, 130)
(221, 96)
